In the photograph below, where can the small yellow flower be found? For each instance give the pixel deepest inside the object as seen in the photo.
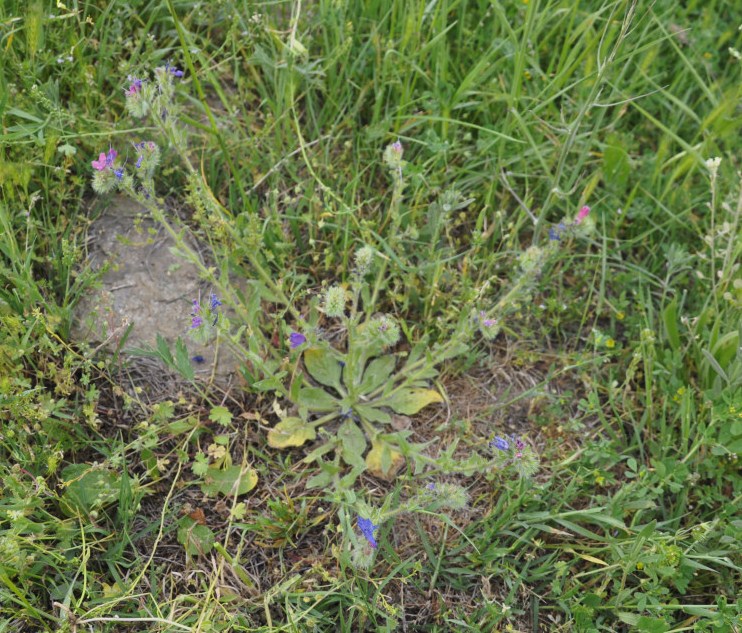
(640, 566)
(527, 75)
(610, 343)
(620, 315)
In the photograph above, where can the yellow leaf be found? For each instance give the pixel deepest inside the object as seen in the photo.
(381, 456)
(410, 401)
(290, 432)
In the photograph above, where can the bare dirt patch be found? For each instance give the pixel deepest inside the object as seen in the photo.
(146, 285)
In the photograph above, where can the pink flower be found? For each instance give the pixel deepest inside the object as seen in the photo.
(582, 214)
(105, 160)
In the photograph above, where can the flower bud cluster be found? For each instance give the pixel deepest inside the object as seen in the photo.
(334, 304)
(383, 330)
(364, 258)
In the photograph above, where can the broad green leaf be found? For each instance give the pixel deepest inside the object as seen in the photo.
(323, 366)
(383, 461)
(410, 401)
(290, 432)
(87, 489)
(222, 415)
(317, 399)
(652, 625)
(230, 481)
(379, 370)
(197, 539)
(353, 442)
(372, 414)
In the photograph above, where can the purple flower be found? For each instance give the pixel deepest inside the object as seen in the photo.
(105, 160)
(397, 146)
(214, 303)
(554, 235)
(196, 320)
(500, 443)
(139, 161)
(173, 70)
(296, 339)
(430, 486)
(368, 528)
(198, 358)
(119, 172)
(135, 86)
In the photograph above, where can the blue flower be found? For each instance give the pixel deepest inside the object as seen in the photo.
(198, 358)
(430, 486)
(119, 172)
(368, 528)
(214, 303)
(173, 70)
(296, 339)
(500, 443)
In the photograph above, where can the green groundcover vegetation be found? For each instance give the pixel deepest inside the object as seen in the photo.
(480, 263)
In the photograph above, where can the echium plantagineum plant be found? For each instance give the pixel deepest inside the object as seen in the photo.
(355, 388)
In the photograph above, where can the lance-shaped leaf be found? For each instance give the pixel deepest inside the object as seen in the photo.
(317, 399)
(353, 442)
(379, 370)
(323, 366)
(383, 461)
(290, 432)
(410, 401)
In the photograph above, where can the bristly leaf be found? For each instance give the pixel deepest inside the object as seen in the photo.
(290, 432)
(323, 366)
(410, 401)
(317, 399)
(354, 443)
(379, 370)
(183, 361)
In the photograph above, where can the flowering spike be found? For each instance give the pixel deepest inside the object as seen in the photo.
(500, 443)
(582, 214)
(368, 528)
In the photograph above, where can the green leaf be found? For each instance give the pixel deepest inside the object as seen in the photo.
(269, 384)
(652, 625)
(324, 478)
(87, 489)
(164, 351)
(222, 415)
(323, 366)
(230, 481)
(197, 539)
(183, 361)
(353, 442)
(670, 319)
(372, 414)
(317, 399)
(616, 167)
(290, 432)
(410, 401)
(379, 370)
